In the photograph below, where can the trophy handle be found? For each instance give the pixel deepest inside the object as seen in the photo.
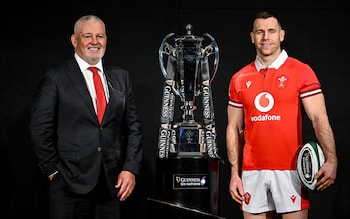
(209, 50)
(167, 49)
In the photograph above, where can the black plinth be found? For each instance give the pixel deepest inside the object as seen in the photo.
(164, 209)
(189, 183)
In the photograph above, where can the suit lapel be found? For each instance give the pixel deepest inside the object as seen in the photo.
(79, 83)
(111, 91)
(116, 103)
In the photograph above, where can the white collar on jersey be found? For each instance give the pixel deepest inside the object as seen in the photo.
(276, 64)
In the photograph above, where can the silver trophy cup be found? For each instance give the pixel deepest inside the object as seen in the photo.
(184, 62)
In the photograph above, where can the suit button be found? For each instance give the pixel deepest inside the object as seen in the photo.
(99, 149)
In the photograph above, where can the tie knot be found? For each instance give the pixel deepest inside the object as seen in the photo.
(93, 69)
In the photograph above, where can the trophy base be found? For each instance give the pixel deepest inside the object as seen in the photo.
(190, 148)
(190, 141)
(189, 154)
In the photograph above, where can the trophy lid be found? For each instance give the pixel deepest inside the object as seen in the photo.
(189, 37)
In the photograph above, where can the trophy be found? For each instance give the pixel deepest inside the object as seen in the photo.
(185, 64)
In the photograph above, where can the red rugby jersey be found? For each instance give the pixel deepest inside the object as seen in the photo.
(273, 118)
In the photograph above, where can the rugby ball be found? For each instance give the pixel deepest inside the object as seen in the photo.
(309, 161)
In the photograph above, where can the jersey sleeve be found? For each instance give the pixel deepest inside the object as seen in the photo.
(233, 92)
(308, 82)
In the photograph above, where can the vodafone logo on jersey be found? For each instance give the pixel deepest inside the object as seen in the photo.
(264, 102)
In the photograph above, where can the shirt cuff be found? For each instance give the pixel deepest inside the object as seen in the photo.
(54, 173)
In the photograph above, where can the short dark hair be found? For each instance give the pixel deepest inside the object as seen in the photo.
(267, 14)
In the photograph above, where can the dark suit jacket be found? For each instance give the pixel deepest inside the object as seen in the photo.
(67, 136)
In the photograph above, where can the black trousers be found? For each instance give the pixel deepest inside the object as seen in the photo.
(95, 205)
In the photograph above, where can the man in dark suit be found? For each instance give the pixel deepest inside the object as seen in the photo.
(92, 165)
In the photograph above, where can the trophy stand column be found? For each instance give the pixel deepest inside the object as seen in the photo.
(187, 166)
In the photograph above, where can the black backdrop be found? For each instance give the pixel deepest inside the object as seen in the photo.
(35, 36)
